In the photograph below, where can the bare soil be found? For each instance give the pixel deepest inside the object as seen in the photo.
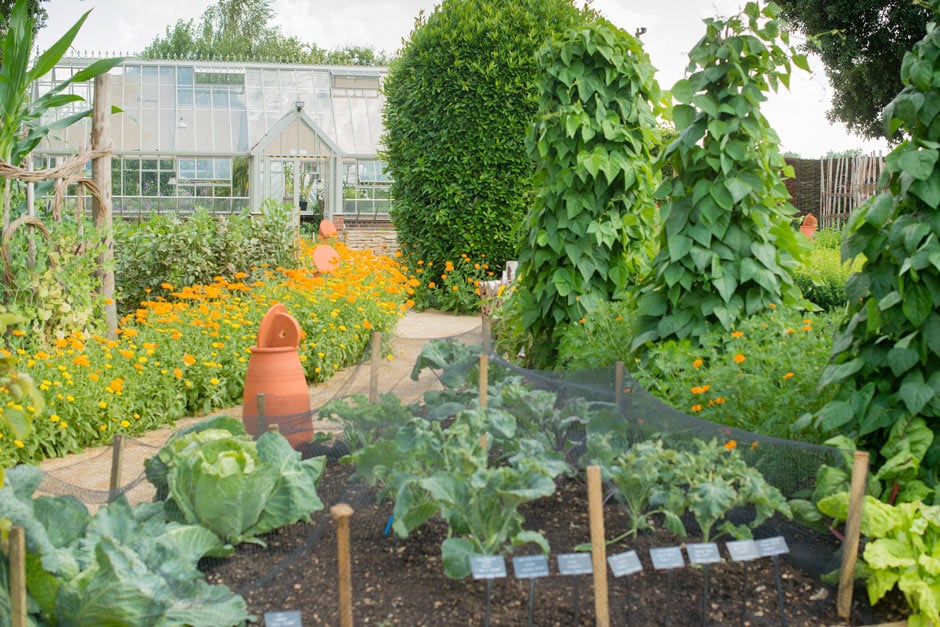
(401, 581)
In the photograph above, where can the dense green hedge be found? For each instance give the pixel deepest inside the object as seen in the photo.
(459, 102)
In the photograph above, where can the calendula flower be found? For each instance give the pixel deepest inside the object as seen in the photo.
(730, 445)
(738, 358)
(696, 407)
(188, 359)
(788, 375)
(18, 444)
(125, 423)
(697, 363)
(700, 389)
(737, 334)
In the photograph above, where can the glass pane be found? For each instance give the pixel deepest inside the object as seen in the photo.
(150, 73)
(184, 76)
(237, 100)
(184, 95)
(187, 168)
(131, 182)
(148, 183)
(166, 189)
(223, 169)
(203, 168)
(203, 96)
(148, 164)
(167, 74)
(166, 164)
(220, 96)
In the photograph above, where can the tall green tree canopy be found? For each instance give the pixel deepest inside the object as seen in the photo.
(862, 43)
(460, 100)
(241, 29)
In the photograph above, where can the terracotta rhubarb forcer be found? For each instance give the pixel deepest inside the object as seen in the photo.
(274, 369)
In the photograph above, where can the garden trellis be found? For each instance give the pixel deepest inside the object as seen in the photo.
(846, 183)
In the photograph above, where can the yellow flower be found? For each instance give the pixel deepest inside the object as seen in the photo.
(214, 381)
(102, 427)
(788, 375)
(177, 373)
(102, 405)
(739, 358)
(125, 423)
(18, 444)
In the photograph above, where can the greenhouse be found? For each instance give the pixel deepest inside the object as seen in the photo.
(226, 136)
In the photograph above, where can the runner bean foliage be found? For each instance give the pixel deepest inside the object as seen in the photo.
(590, 230)
(727, 249)
(885, 360)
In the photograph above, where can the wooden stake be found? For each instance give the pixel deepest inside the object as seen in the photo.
(341, 514)
(618, 383)
(484, 379)
(598, 547)
(374, 372)
(18, 576)
(101, 172)
(117, 459)
(259, 399)
(852, 531)
(485, 330)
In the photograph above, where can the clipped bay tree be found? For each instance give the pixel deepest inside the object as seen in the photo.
(589, 232)
(886, 352)
(459, 100)
(727, 249)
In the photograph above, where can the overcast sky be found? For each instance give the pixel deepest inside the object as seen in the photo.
(672, 27)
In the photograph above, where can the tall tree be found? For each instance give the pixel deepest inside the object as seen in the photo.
(460, 101)
(241, 29)
(34, 9)
(861, 43)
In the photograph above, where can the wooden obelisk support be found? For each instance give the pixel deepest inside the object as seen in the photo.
(484, 379)
(598, 547)
(101, 172)
(341, 514)
(18, 576)
(117, 460)
(853, 525)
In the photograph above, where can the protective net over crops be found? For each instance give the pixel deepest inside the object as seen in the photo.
(429, 439)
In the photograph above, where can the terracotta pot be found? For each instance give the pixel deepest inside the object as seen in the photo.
(274, 369)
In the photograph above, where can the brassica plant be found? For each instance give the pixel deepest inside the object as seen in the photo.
(216, 476)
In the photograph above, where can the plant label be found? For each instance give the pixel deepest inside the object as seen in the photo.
(282, 619)
(575, 564)
(768, 547)
(705, 553)
(625, 563)
(667, 558)
(488, 566)
(743, 550)
(530, 566)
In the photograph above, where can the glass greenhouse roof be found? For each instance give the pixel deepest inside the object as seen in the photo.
(219, 108)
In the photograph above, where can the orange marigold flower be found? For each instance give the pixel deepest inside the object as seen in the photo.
(177, 373)
(17, 332)
(739, 358)
(730, 445)
(788, 375)
(697, 363)
(166, 286)
(719, 400)
(188, 359)
(737, 334)
(432, 285)
(117, 384)
(753, 445)
(454, 288)
(696, 407)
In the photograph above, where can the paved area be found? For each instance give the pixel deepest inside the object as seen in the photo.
(87, 475)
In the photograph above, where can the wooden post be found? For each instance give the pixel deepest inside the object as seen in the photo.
(101, 172)
(374, 371)
(484, 379)
(485, 331)
(852, 531)
(341, 514)
(598, 547)
(618, 383)
(18, 576)
(259, 399)
(117, 459)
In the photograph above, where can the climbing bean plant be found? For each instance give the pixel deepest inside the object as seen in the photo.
(590, 230)
(886, 352)
(727, 249)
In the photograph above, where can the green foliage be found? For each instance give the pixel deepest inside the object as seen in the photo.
(862, 44)
(588, 235)
(459, 101)
(822, 275)
(26, 402)
(727, 250)
(123, 565)
(193, 250)
(56, 279)
(885, 362)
